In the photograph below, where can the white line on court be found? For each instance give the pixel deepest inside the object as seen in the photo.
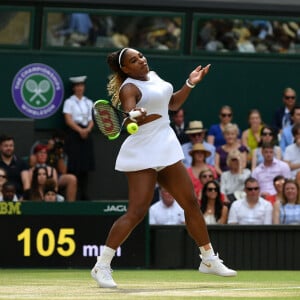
(247, 289)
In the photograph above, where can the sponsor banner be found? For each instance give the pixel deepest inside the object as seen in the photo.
(64, 208)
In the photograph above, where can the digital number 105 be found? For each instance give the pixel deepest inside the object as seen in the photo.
(46, 242)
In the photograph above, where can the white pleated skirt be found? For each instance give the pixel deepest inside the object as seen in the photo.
(155, 145)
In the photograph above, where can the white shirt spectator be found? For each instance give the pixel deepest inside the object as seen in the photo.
(15, 199)
(241, 213)
(81, 110)
(160, 214)
(231, 183)
(292, 155)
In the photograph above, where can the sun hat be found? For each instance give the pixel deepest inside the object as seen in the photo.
(200, 147)
(195, 127)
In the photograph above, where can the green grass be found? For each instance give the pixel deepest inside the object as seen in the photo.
(148, 284)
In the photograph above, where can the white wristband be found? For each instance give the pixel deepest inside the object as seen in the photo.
(191, 86)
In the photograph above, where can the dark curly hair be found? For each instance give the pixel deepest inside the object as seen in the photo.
(118, 76)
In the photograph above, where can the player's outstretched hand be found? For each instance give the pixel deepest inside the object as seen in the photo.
(198, 74)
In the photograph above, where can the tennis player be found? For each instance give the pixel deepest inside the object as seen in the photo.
(152, 155)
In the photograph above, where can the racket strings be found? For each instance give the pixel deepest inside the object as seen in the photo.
(107, 120)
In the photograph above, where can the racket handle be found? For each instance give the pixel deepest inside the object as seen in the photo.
(134, 114)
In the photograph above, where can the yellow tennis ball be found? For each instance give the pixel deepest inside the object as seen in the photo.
(132, 128)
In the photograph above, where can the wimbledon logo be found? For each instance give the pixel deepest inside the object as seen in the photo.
(37, 91)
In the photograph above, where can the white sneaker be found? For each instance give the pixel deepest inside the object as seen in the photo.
(103, 276)
(215, 266)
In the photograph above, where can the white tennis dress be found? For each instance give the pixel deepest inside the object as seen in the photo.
(155, 145)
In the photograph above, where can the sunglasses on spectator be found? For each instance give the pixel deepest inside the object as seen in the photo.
(267, 133)
(289, 97)
(212, 189)
(226, 115)
(206, 176)
(2, 176)
(256, 188)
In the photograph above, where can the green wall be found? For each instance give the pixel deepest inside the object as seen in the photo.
(244, 82)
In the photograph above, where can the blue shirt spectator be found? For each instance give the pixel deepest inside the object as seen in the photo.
(79, 23)
(286, 138)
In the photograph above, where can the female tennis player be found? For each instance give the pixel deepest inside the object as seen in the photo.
(152, 155)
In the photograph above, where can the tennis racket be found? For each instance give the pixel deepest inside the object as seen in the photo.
(109, 119)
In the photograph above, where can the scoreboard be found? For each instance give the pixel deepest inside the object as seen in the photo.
(66, 235)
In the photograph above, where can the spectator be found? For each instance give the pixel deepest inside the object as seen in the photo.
(204, 176)
(287, 135)
(9, 192)
(50, 192)
(36, 191)
(278, 182)
(65, 182)
(212, 207)
(232, 181)
(16, 169)
(244, 44)
(288, 212)
(3, 181)
(268, 135)
(231, 132)
(199, 155)
(79, 144)
(215, 134)
(265, 172)
(251, 136)
(292, 153)
(179, 126)
(251, 210)
(282, 117)
(57, 158)
(196, 134)
(78, 30)
(166, 211)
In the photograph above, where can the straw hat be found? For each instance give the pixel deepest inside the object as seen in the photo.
(200, 147)
(195, 127)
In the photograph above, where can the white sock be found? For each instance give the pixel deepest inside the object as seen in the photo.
(106, 256)
(206, 254)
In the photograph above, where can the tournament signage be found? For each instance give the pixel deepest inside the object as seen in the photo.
(37, 91)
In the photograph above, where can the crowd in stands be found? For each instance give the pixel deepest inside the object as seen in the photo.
(249, 176)
(57, 169)
(164, 33)
(105, 31)
(248, 36)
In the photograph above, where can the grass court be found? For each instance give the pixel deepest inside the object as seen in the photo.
(71, 284)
